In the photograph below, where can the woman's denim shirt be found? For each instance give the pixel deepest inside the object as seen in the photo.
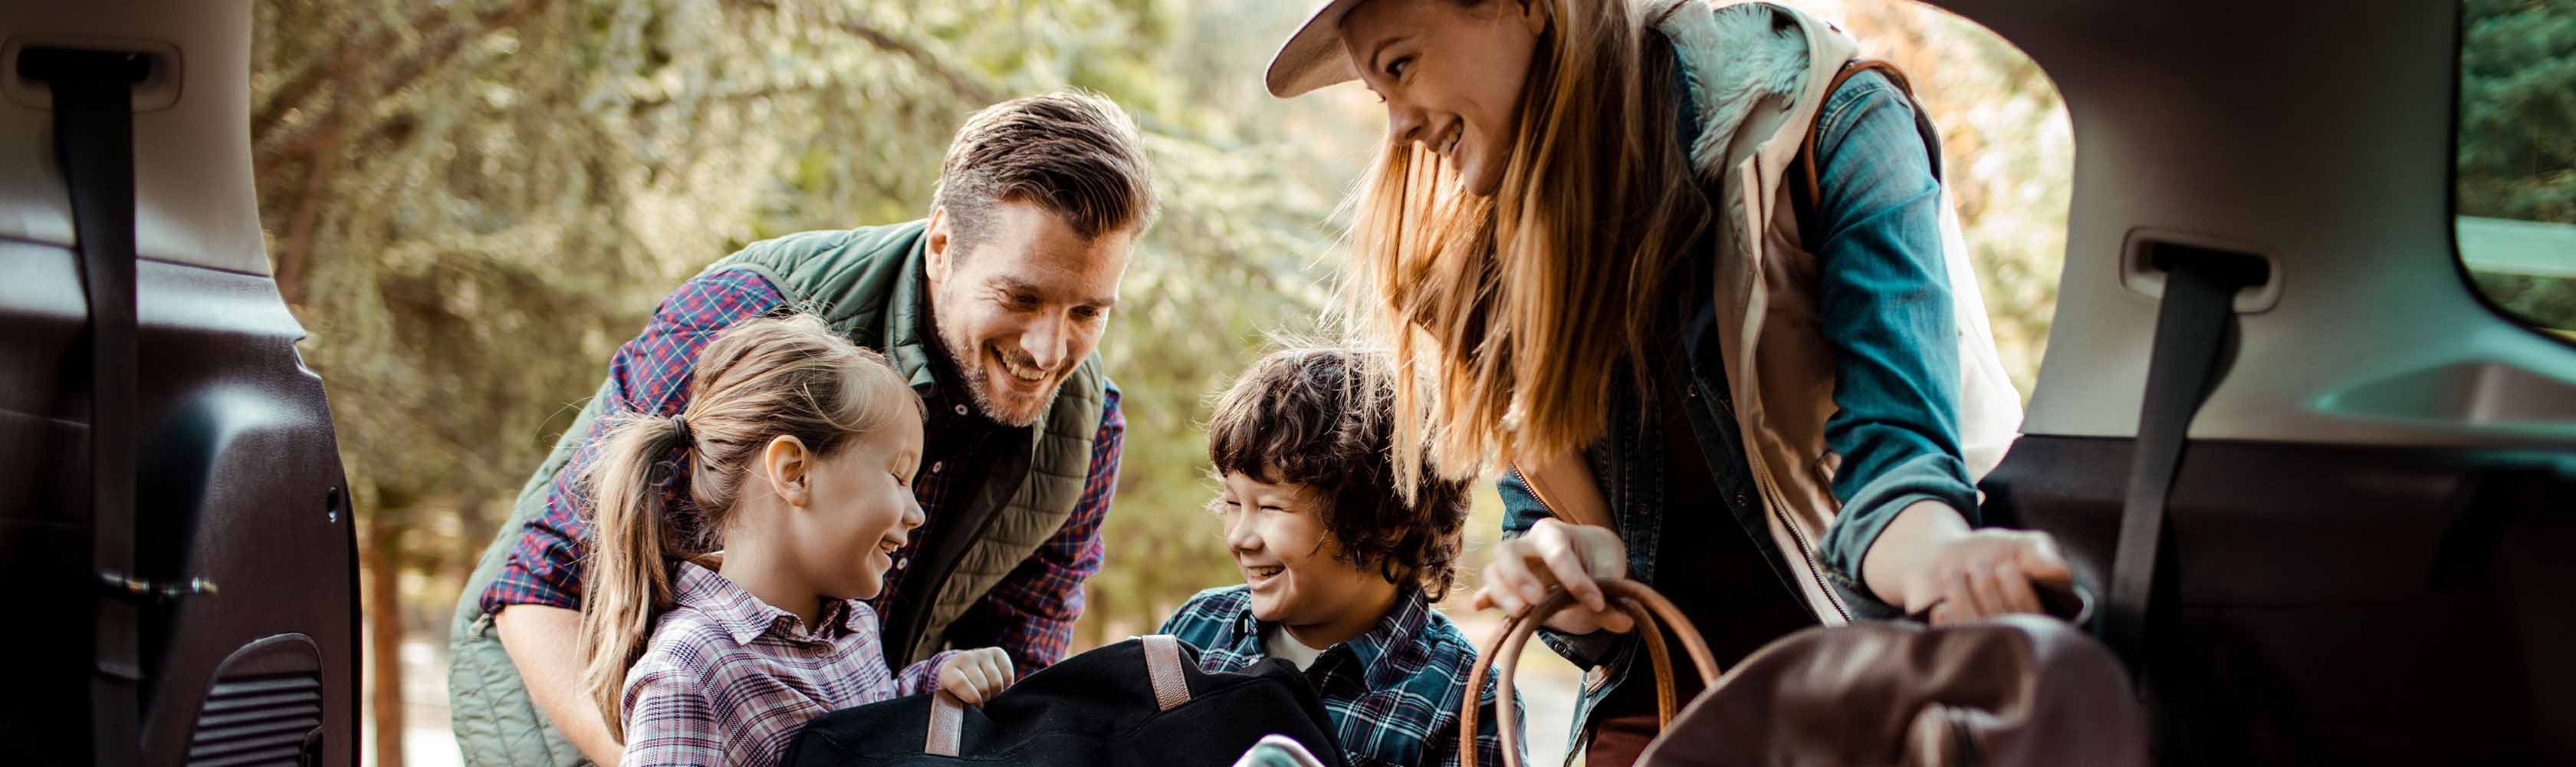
(1884, 304)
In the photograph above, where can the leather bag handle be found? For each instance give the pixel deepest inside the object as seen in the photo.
(1163, 668)
(1503, 651)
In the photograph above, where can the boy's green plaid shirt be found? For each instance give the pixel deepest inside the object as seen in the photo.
(1393, 692)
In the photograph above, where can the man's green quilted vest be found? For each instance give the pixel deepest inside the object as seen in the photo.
(867, 284)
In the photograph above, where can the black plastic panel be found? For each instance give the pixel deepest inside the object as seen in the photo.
(2336, 604)
(237, 467)
(264, 708)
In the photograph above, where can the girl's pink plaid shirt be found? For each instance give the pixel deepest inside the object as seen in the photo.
(729, 680)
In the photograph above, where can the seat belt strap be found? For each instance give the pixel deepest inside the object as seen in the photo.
(94, 147)
(2192, 327)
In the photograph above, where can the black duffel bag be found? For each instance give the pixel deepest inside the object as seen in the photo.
(1139, 702)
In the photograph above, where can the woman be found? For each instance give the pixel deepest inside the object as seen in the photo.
(1591, 232)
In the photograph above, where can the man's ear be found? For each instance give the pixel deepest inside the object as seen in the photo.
(787, 465)
(941, 236)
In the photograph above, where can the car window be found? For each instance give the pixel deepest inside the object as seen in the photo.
(2516, 155)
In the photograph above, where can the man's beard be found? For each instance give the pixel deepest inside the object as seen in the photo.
(967, 358)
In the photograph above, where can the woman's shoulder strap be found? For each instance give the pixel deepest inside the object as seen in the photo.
(1807, 149)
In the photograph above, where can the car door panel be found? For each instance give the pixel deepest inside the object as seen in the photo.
(243, 573)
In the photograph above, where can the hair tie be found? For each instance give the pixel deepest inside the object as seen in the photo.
(681, 425)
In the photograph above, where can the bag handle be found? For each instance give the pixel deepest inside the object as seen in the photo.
(1163, 668)
(1503, 651)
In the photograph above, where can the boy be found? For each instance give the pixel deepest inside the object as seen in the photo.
(1339, 570)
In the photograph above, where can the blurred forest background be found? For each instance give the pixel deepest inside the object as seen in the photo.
(2517, 156)
(472, 202)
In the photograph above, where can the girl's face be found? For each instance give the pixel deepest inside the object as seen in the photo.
(1451, 74)
(856, 512)
(1277, 535)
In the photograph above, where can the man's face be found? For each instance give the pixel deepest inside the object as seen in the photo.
(1022, 305)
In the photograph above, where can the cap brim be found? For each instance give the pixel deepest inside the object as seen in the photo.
(1313, 57)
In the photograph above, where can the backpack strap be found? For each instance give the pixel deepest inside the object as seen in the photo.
(1813, 191)
(1164, 669)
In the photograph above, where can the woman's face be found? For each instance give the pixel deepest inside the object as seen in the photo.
(1451, 74)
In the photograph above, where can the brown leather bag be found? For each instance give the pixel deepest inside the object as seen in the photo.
(2019, 690)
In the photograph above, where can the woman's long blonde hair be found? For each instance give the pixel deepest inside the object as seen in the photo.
(756, 381)
(1510, 315)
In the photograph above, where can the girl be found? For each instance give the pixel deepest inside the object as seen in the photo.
(796, 453)
(1690, 281)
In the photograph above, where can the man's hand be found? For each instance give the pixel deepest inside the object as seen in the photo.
(1928, 560)
(976, 675)
(1554, 553)
(543, 643)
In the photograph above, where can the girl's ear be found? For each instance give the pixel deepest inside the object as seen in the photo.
(787, 465)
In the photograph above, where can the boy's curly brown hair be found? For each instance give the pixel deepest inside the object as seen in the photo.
(1322, 417)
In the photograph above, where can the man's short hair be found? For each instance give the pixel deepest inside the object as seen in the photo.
(1323, 418)
(1074, 153)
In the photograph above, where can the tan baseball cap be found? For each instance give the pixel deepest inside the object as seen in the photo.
(1313, 57)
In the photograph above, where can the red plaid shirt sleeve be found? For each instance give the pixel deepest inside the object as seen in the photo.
(1031, 613)
(649, 374)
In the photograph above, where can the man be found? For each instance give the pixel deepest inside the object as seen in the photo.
(993, 307)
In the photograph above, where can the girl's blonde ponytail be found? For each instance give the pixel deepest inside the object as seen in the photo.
(625, 583)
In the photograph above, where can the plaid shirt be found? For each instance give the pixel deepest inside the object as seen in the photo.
(729, 680)
(1029, 614)
(1393, 692)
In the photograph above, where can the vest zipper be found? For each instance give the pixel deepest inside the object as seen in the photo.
(921, 621)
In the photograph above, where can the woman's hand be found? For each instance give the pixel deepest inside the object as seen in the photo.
(1554, 553)
(1986, 573)
(1928, 560)
(976, 675)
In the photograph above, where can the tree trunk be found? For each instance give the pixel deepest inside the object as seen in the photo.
(381, 557)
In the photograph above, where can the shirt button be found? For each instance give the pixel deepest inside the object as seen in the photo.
(961, 409)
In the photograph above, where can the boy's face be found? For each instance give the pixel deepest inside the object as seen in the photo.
(1277, 535)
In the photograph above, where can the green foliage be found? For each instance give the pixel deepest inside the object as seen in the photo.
(2517, 137)
(2517, 149)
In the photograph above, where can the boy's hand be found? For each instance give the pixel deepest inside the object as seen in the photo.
(976, 675)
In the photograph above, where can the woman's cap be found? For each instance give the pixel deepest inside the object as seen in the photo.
(1313, 57)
